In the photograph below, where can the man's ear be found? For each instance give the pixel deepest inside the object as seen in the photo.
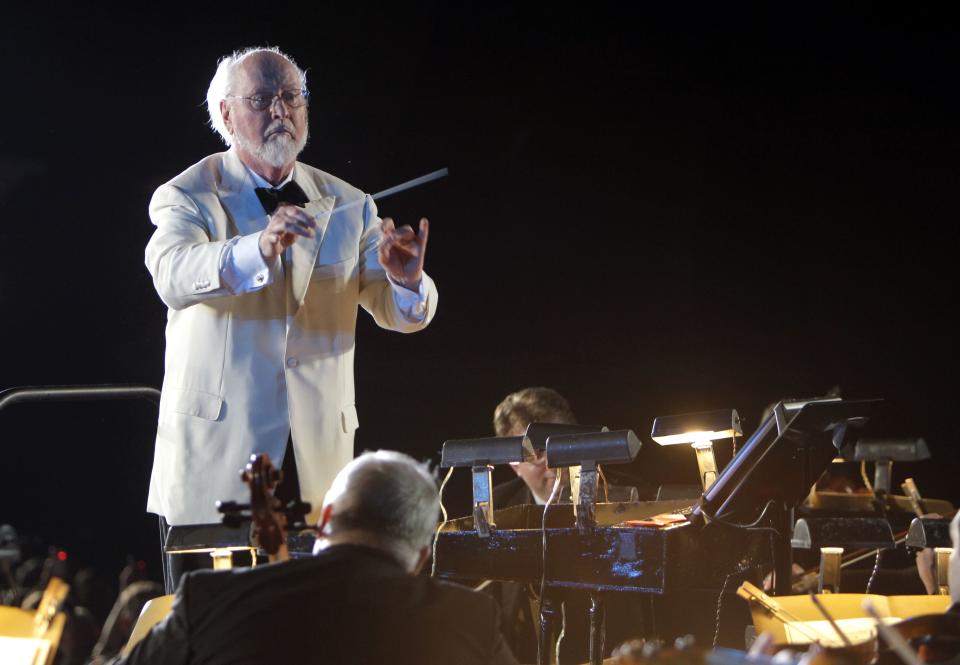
(225, 112)
(325, 516)
(422, 559)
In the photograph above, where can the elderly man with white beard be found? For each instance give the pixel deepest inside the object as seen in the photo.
(262, 262)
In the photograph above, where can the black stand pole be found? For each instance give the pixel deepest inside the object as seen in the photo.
(783, 566)
(548, 620)
(598, 631)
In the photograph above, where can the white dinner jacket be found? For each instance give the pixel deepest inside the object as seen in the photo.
(241, 371)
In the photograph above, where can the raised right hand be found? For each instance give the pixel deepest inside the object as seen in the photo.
(285, 224)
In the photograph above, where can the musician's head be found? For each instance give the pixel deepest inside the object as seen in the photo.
(532, 405)
(954, 571)
(387, 500)
(257, 102)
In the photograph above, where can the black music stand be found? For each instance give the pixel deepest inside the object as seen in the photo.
(778, 465)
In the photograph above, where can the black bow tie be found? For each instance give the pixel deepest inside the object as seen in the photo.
(270, 197)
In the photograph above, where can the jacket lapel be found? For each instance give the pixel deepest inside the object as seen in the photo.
(236, 193)
(303, 252)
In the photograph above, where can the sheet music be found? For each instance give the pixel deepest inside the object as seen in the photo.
(859, 629)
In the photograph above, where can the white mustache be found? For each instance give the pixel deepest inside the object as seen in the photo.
(280, 126)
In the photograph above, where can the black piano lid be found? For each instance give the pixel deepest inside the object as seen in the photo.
(782, 467)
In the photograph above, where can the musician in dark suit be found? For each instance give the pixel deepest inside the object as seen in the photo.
(358, 600)
(511, 417)
(533, 485)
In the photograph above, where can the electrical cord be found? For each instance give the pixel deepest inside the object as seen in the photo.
(543, 559)
(436, 536)
(752, 526)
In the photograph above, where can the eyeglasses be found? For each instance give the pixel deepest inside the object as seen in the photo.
(293, 99)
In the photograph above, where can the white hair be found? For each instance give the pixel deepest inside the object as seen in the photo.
(388, 496)
(220, 84)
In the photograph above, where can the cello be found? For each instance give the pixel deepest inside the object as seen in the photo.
(270, 526)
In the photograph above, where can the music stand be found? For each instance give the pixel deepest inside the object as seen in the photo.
(778, 465)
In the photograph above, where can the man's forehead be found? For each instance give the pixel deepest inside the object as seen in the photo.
(267, 69)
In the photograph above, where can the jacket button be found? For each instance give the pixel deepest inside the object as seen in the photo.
(292, 362)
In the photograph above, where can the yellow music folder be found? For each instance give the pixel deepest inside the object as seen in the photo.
(32, 636)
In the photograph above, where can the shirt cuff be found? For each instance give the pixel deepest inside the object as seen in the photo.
(242, 268)
(412, 304)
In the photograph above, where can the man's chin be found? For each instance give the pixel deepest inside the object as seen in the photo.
(279, 153)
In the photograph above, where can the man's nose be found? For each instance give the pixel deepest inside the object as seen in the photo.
(278, 109)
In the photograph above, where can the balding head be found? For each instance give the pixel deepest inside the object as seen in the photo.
(239, 63)
(384, 499)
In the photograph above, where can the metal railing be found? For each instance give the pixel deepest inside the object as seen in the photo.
(24, 394)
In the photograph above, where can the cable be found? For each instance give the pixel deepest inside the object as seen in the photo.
(876, 569)
(563, 628)
(554, 493)
(882, 506)
(866, 479)
(752, 526)
(723, 589)
(543, 528)
(436, 536)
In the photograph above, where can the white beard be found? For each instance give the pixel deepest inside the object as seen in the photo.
(277, 150)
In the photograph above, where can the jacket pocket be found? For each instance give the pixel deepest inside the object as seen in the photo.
(196, 403)
(348, 418)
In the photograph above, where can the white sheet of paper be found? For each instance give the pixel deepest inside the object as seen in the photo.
(859, 629)
(23, 651)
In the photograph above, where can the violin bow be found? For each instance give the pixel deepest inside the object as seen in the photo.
(892, 637)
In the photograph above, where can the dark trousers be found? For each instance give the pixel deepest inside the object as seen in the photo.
(214, 535)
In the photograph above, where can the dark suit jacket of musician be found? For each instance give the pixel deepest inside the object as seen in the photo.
(350, 604)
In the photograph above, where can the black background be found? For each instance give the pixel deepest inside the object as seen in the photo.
(654, 210)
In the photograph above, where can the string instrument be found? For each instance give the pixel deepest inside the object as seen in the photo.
(932, 637)
(269, 521)
(848, 651)
(272, 521)
(654, 652)
(683, 652)
(936, 637)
